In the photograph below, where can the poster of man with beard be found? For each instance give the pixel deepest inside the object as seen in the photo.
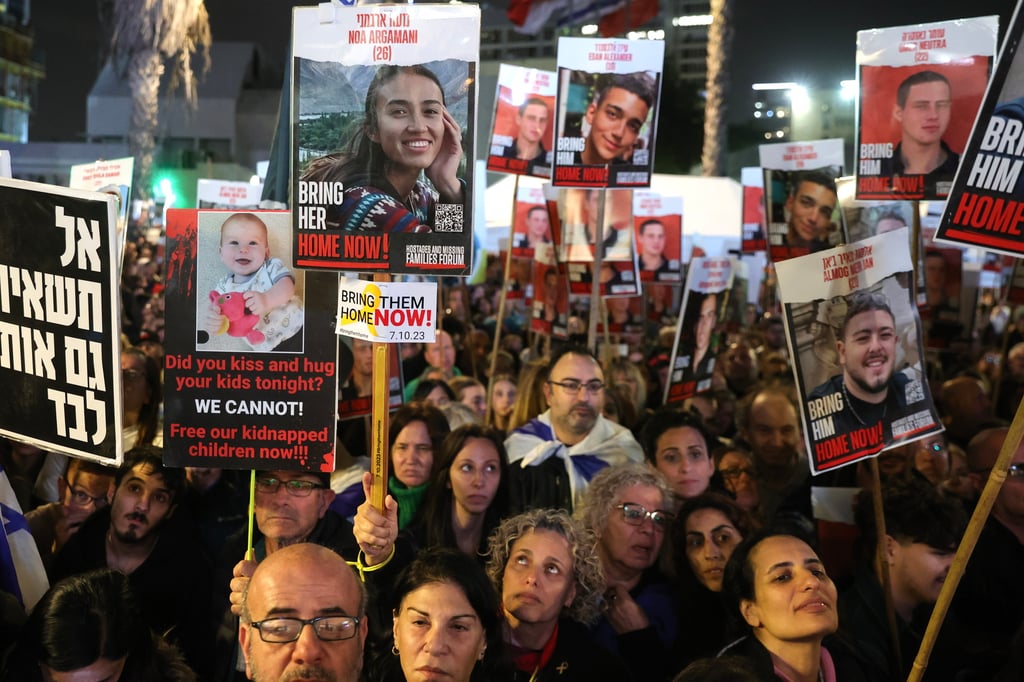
(854, 334)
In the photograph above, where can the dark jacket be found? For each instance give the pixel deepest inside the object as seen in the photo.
(577, 656)
(849, 666)
(172, 585)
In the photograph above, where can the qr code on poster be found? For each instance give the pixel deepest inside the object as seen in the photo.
(448, 218)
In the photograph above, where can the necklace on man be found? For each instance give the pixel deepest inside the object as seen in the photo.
(849, 401)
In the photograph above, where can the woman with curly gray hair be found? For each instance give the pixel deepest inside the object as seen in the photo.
(544, 566)
(628, 508)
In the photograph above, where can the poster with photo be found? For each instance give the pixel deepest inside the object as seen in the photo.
(984, 208)
(113, 177)
(368, 194)
(755, 226)
(662, 302)
(803, 211)
(228, 194)
(60, 315)
(855, 340)
(551, 302)
(625, 315)
(920, 88)
(863, 218)
(658, 222)
(708, 282)
(531, 231)
(608, 91)
(524, 119)
(251, 346)
(615, 278)
(580, 212)
(943, 291)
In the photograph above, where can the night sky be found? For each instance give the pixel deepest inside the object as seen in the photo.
(814, 43)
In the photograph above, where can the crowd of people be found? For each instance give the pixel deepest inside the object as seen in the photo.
(546, 518)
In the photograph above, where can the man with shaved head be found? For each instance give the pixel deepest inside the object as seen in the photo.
(303, 617)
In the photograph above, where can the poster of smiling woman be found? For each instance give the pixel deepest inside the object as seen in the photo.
(383, 117)
(608, 93)
(855, 337)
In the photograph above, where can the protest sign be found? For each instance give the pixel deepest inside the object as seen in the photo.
(60, 320)
(387, 312)
(523, 122)
(247, 390)
(235, 195)
(854, 337)
(708, 282)
(658, 222)
(368, 198)
(113, 177)
(986, 205)
(754, 224)
(550, 302)
(531, 234)
(608, 94)
(579, 212)
(920, 87)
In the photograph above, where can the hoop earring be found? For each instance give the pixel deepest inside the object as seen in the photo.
(394, 650)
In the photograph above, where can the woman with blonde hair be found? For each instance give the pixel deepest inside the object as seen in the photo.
(501, 401)
(530, 400)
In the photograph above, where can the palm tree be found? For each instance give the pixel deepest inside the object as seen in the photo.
(146, 35)
(719, 48)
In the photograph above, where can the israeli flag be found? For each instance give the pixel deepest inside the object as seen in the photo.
(21, 570)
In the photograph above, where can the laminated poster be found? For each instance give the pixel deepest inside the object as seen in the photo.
(383, 128)
(920, 89)
(986, 206)
(698, 337)
(524, 120)
(60, 319)
(855, 339)
(607, 112)
(251, 366)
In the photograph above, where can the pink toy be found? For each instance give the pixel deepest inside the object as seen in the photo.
(239, 322)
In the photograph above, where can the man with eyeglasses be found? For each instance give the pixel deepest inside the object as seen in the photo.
(988, 606)
(84, 488)
(553, 457)
(291, 508)
(303, 617)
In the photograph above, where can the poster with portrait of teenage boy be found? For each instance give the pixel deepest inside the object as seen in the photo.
(698, 332)
(382, 115)
(608, 91)
(920, 88)
(524, 118)
(802, 210)
(855, 339)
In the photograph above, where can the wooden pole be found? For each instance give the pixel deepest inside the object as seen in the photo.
(996, 478)
(504, 284)
(883, 562)
(379, 418)
(595, 275)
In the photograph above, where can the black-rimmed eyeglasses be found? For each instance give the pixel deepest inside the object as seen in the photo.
(327, 628)
(573, 386)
